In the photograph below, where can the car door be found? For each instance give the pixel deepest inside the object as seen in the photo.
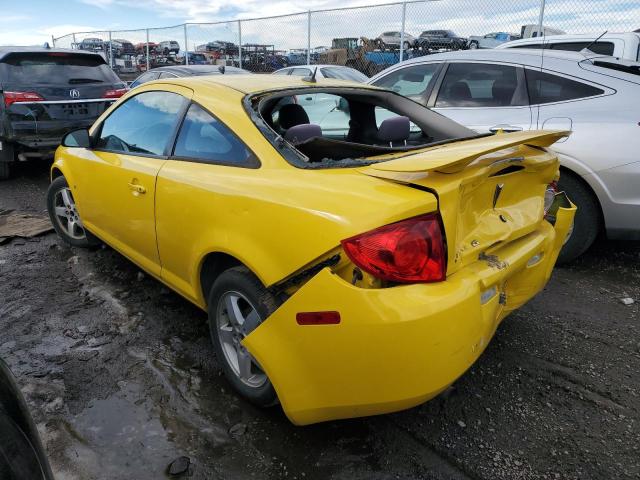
(483, 96)
(194, 188)
(131, 145)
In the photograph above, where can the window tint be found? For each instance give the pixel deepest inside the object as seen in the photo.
(142, 124)
(205, 138)
(302, 72)
(145, 77)
(528, 45)
(547, 88)
(412, 82)
(478, 85)
(602, 48)
(344, 73)
(167, 75)
(282, 72)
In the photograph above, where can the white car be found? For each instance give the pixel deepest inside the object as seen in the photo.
(324, 71)
(595, 97)
(621, 45)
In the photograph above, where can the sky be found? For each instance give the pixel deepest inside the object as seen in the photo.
(32, 22)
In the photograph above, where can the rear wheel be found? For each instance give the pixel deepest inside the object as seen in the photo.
(407, 46)
(239, 303)
(6, 158)
(473, 45)
(587, 221)
(64, 215)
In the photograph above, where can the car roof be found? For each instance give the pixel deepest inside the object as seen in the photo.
(493, 54)
(189, 70)
(319, 65)
(257, 83)
(6, 50)
(570, 37)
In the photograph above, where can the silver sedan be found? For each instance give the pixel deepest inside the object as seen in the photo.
(595, 97)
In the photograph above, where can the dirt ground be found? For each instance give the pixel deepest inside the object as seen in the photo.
(121, 379)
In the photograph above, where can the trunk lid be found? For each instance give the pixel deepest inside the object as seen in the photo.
(490, 190)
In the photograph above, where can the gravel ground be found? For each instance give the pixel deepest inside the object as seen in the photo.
(121, 380)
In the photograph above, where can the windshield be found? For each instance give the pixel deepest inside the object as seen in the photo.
(56, 68)
(344, 74)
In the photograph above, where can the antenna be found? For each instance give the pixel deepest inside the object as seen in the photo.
(586, 50)
(312, 78)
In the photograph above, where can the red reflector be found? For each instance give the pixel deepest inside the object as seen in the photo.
(409, 251)
(13, 97)
(318, 318)
(117, 93)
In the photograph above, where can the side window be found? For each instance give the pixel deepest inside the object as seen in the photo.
(528, 45)
(548, 88)
(601, 48)
(412, 82)
(167, 75)
(285, 71)
(301, 72)
(145, 77)
(203, 137)
(142, 124)
(479, 85)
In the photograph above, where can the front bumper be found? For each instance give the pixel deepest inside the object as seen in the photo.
(396, 347)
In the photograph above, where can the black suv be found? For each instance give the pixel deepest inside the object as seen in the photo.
(440, 39)
(46, 92)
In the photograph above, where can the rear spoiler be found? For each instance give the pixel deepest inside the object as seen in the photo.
(453, 157)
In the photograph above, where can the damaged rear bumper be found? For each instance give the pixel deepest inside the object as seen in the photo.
(397, 347)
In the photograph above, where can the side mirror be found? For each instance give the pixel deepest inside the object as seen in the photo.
(77, 138)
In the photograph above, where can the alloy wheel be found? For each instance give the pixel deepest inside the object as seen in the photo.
(66, 214)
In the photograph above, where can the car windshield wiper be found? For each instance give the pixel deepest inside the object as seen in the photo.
(85, 80)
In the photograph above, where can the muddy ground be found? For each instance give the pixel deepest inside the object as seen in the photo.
(121, 380)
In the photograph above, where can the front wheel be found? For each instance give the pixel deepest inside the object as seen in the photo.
(473, 45)
(64, 215)
(407, 46)
(238, 304)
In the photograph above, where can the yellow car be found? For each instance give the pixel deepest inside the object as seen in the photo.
(354, 250)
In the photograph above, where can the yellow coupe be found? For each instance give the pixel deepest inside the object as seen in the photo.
(355, 251)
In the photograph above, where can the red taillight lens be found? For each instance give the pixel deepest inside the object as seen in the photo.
(409, 251)
(318, 318)
(116, 93)
(13, 97)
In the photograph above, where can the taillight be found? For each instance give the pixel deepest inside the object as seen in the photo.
(408, 251)
(115, 93)
(549, 196)
(13, 97)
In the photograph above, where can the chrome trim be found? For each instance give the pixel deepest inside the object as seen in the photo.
(53, 102)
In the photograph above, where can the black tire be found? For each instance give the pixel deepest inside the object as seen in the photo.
(241, 280)
(473, 45)
(7, 156)
(86, 239)
(587, 222)
(406, 46)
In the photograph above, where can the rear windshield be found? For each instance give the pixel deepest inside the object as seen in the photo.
(55, 68)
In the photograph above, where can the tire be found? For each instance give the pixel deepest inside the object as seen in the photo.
(74, 234)
(473, 45)
(240, 290)
(407, 46)
(587, 222)
(7, 156)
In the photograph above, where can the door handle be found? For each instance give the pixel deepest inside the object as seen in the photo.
(505, 128)
(139, 189)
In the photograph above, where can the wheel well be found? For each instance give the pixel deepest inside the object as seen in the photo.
(55, 173)
(212, 266)
(566, 171)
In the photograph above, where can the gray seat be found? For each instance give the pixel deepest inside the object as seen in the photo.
(394, 129)
(301, 133)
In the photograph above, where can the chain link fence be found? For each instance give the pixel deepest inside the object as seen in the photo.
(368, 39)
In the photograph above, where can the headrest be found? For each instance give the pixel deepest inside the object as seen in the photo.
(502, 91)
(291, 115)
(302, 133)
(394, 129)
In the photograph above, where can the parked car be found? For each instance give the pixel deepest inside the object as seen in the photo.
(92, 44)
(122, 47)
(21, 453)
(440, 39)
(195, 58)
(176, 71)
(45, 93)
(325, 71)
(168, 46)
(534, 30)
(310, 251)
(141, 48)
(393, 39)
(621, 45)
(491, 40)
(518, 90)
